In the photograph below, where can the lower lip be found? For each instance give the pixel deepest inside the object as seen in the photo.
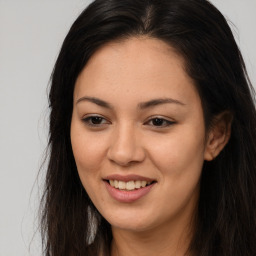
(125, 196)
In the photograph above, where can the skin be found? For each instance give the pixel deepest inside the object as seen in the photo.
(126, 141)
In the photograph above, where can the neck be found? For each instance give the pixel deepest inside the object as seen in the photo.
(167, 240)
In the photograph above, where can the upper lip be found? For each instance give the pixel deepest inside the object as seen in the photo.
(127, 178)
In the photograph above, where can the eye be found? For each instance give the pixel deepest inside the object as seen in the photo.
(159, 122)
(95, 121)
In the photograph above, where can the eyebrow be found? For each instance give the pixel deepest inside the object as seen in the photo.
(156, 102)
(96, 101)
(141, 105)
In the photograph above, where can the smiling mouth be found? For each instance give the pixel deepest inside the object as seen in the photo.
(130, 185)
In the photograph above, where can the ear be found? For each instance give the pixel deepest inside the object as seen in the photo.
(218, 135)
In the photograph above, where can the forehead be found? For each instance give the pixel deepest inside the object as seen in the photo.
(136, 68)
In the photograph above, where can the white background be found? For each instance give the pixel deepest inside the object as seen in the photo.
(31, 33)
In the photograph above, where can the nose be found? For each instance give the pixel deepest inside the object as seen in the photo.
(125, 147)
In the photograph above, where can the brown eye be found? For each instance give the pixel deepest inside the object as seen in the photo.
(159, 122)
(95, 121)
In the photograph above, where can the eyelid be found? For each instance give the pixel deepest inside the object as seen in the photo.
(165, 119)
(86, 118)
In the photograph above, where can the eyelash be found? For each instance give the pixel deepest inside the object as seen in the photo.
(89, 121)
(166, 122)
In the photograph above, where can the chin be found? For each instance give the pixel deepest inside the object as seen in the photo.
(130, 221)
(130, 226)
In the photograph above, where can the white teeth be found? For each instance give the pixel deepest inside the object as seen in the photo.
(116, 183)
(143, 183)
(137, 184)
(121, 185)
(130, 185)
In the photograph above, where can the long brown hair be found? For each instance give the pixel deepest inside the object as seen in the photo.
(226, 216)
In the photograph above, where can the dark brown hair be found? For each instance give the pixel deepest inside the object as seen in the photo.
(226, 216)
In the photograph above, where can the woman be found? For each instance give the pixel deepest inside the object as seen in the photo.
(152, 128)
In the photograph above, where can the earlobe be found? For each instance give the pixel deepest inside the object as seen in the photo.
(218, 135)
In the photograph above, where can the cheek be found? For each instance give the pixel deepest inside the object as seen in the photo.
(88, 150)
(179, 159)
(180, 152)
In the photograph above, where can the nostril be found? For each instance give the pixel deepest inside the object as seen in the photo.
(125, 153)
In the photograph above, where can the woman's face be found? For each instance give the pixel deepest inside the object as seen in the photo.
(138, 135)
